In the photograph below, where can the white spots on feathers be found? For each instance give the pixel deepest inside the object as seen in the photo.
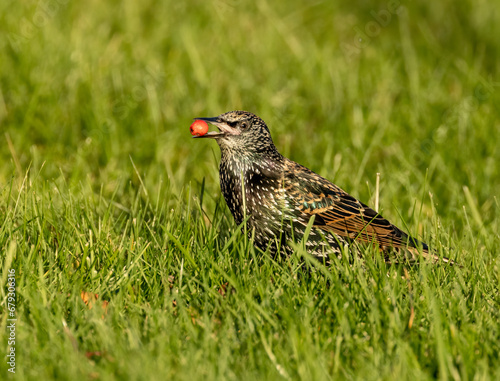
(275, 214)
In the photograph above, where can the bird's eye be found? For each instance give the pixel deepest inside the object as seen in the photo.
(244, 125)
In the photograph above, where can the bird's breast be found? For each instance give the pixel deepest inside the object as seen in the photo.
(250, 192)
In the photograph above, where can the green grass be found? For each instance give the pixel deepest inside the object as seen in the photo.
(103, 190)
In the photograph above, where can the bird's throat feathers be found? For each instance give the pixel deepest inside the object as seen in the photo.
(244, 165)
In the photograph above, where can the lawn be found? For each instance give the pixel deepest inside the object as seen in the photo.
(118, 253)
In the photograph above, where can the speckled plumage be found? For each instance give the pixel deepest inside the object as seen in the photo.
(281, 196)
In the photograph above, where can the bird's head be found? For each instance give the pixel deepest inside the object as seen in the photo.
(241, 132)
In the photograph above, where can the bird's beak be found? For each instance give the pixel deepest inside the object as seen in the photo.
(222, 126)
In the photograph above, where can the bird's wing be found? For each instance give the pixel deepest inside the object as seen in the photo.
(338, 212)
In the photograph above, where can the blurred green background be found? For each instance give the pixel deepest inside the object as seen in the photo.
(87, 86)
(96, 99)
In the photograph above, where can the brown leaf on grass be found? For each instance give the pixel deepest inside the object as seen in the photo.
(93, 354)
(222, 289)
(225, 288)
(99, 355)
(412, 316)
(89, 298)
(105, 306)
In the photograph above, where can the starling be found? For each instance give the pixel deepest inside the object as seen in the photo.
(278, 197)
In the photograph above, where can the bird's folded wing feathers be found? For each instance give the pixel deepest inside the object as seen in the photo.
(338, 212)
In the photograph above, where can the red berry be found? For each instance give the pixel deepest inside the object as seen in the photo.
(199, 128)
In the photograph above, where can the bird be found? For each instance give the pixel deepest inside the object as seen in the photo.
(277, 199)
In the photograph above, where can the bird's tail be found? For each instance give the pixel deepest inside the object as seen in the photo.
(414, 249)
(417, 248)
